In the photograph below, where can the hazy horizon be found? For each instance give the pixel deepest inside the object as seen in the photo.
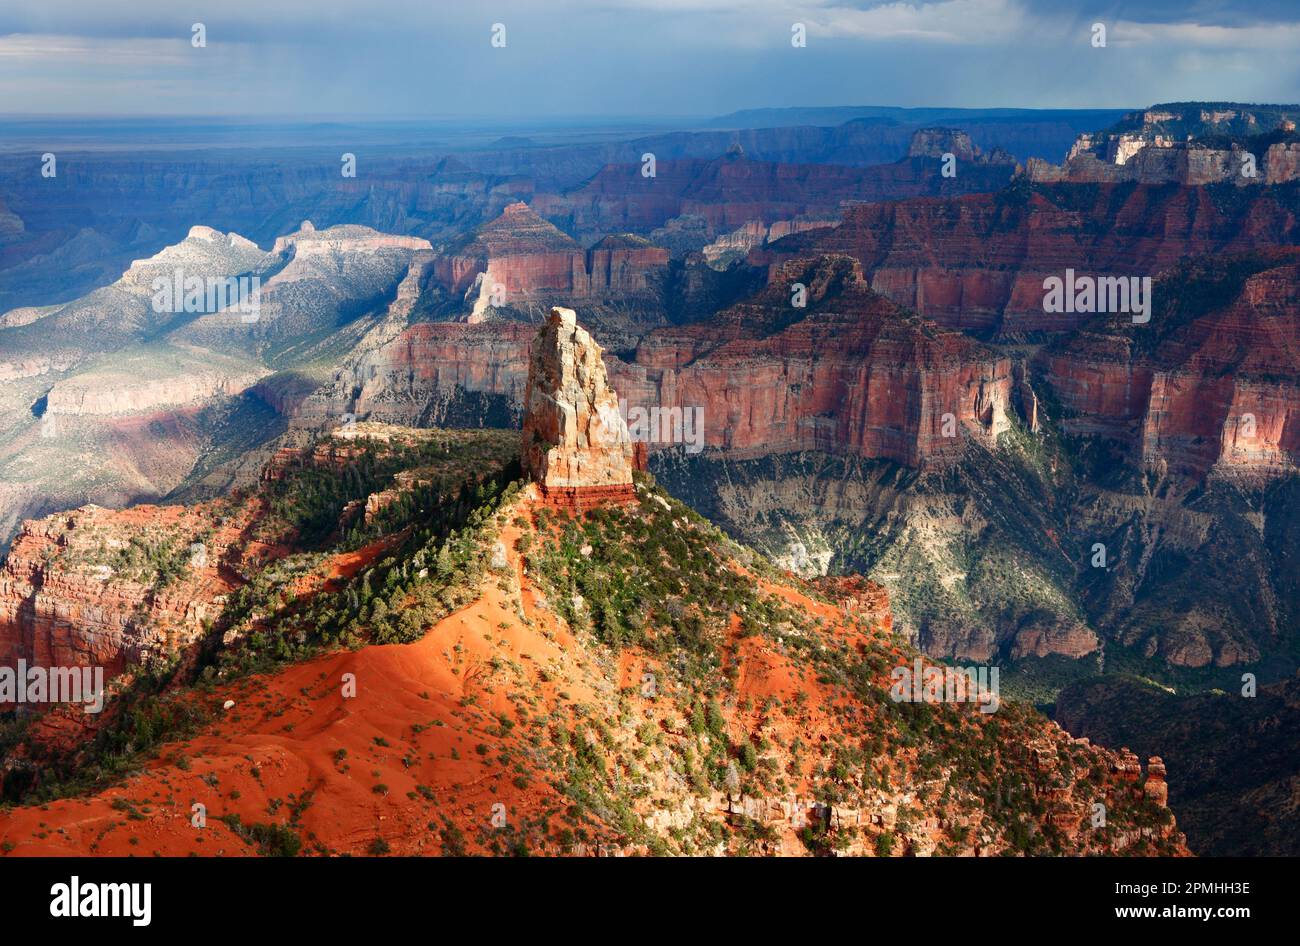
(633, 59)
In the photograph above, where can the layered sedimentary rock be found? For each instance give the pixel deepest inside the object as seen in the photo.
(433, 372)
(1040, 636)
(149, 373)
(1187, 144)
(1169, 162)
(979, 262)
(519, 257)
(84, 588)
(1216, 392)
(848, 373)
(622, 263)
(575, 443)
(82, 396)
(736, 245)
(308, 241)
(731, 191)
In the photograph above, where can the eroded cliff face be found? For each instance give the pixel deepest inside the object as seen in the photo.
(1185, 144)
(520, 259)
(1169, 493)
(108, 393)
(978, 263)
(119, 589)
(976, 556)
(446, 373)
(575, 444)
(733, 246)
(1163, 161)
(122, 395)
(849, 372)
(1209, 389)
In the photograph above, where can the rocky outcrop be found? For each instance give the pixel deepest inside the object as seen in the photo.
(86, 589)
(849, 373)
(518, 252)
(1222, 760)
(96, 395)
(1169, 162)
(440, 373)
(203, 252)
(308, 241)
(1155, 787)
(1040, 636)
(942, 142)
(735, 245)
(623, 263)
(575, 444)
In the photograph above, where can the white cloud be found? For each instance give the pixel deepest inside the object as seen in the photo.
(945, 21)
(1187, 36)
(50, 49)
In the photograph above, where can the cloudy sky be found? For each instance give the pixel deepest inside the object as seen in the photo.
(636, 58)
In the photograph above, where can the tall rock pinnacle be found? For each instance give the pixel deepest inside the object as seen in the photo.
(575, 442)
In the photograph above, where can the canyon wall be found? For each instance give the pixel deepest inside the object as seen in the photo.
(978, 263)
(850, 373)
(731, 191)
(83, 588)
(1218, 393)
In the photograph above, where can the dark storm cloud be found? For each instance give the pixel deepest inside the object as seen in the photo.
(633, 57)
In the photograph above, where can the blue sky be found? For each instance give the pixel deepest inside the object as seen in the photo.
(635, 58)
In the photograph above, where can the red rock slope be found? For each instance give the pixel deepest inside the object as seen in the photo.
(509, 728)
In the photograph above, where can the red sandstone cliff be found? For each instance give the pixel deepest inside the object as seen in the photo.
(849, 373)
(979, 262)
(519, 257)
(575, 445)
(1218, 392)
(87, 587)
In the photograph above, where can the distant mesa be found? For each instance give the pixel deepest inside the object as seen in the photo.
(936, 142)
(576, 445)
(520, 258)
(1188, 143)
(345, 237)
